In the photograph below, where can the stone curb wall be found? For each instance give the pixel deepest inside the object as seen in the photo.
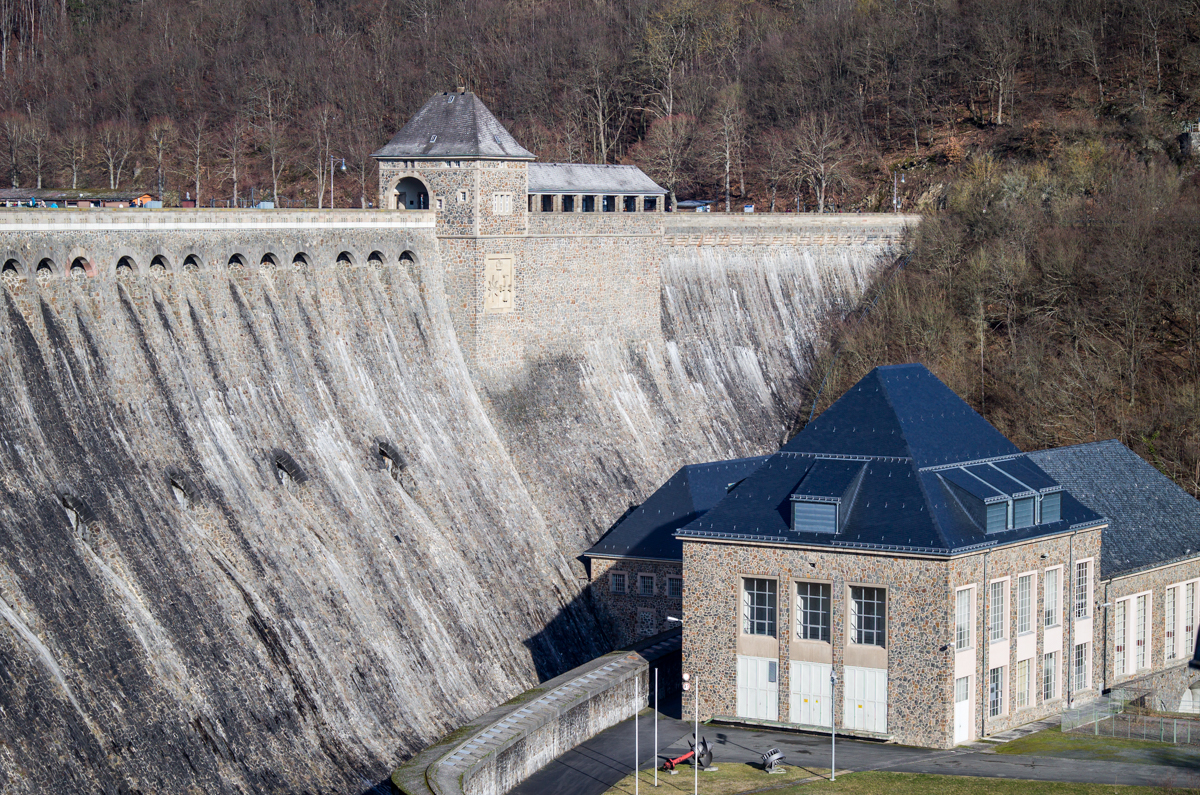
(504, 747)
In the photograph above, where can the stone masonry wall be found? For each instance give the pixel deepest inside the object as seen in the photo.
(1009, 562)
(918, 620)
(619, 611)
(1167, 679)
(92, 242)
(507, 177)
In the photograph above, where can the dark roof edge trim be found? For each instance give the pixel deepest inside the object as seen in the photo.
(1162, 564)
(433, 158)
(590, 554)
(842, 546)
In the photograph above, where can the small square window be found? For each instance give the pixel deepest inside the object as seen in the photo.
(616, 582)
(439, 204)
(675, 587)
(646, 584)
(462, 195)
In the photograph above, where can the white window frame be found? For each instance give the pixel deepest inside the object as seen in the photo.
(1023, 699)
(994, 635)
(1058, 606)
(462, 196)
(801, 613)
(997, 704)
(1171, 622)
(1055, 678)
(502, 204)
(612, 584)
(1086, 603)
(1031, 602)
(1179, 620)
(969, 624)
(1081, 671)
(1121, 637)
(852, 622)
(1143, 634)
(653, 583)
(749, 624)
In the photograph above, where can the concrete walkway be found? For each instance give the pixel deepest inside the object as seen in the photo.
(597, 765)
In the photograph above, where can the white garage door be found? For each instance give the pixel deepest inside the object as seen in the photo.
(757, 688)
(811, 704)
(866, 699)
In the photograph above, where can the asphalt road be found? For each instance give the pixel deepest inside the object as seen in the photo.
(598, 764)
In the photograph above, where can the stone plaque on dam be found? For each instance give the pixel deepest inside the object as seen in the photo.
(281, 501)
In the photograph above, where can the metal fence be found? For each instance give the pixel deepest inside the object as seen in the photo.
(1123, 714)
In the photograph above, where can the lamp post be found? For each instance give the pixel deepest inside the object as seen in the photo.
(332, 162)
(656, 727)
(637, 753)
(832, 724)
(895, 193)
(687, 685)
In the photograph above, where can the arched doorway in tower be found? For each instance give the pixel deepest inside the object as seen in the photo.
(411, 194)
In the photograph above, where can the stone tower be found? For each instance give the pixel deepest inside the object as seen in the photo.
(455, 158)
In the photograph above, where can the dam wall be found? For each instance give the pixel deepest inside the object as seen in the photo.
(266, 527)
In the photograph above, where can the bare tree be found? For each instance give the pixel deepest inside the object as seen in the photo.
(775, 164)
(38, 141)
(726, 137)
(15, 128)
(161, 137)
(320, 125)
(820, 153)
(73, 151)
(1085, 48)
(231, 148)
(196, 139)
(272, 102)
(116, 140)
(666, 151)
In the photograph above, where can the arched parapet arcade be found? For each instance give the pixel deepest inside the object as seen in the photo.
(41, 245)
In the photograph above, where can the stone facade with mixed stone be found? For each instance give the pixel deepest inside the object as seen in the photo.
(903, 561)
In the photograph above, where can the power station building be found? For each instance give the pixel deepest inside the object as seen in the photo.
(902, 567)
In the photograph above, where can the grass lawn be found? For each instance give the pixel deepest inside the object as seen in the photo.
(1071, 745)
(739, 779)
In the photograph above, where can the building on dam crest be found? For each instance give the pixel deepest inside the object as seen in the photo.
(953, 586)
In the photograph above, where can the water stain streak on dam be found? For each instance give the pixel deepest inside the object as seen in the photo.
(267, 529)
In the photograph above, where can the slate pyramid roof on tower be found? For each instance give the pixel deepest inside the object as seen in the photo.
(454, 125)
(891, 452)
(903, 411)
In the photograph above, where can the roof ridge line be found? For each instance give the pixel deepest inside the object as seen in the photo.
(887, 397)
(975, 462)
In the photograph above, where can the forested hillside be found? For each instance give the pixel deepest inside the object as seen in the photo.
(782, 103)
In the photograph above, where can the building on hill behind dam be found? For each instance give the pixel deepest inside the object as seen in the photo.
(288, 494)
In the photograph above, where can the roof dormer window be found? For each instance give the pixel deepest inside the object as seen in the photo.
(814, 517)
(822, 501)
(1005, 495)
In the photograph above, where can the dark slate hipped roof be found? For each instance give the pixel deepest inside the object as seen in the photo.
(584, 178)
(454, 125)
(903, 411)
(903, 427)
(1151, 519)
(647, 531)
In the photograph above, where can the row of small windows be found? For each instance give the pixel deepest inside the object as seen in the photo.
(81, 266)
(867, 619)
(644, 585)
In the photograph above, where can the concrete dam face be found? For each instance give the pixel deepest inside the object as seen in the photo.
(274, 528)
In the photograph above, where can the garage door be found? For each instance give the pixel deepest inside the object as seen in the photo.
(757, 688)
(866, 699)
(810, 693)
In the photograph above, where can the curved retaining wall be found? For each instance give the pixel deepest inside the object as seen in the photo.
(502, 748)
